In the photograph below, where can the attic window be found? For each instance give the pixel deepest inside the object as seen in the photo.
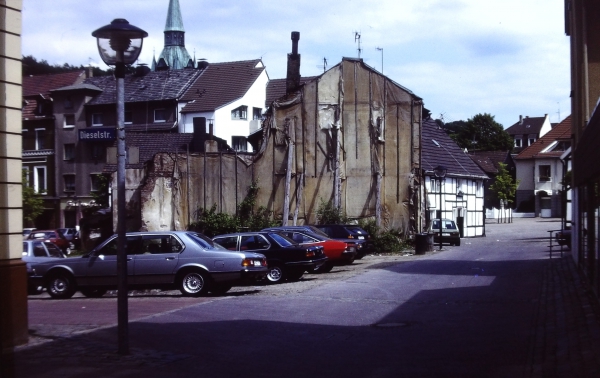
(240, 113)
(435, 142)
(159, 115)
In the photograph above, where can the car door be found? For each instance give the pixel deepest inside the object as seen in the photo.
(156, 260)
(101, 269)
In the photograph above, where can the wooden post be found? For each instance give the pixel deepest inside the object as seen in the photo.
(290, 126)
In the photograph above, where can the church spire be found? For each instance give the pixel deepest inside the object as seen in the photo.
(174, 54)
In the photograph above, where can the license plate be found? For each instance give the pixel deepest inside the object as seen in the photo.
(256, 263)
(361, 237)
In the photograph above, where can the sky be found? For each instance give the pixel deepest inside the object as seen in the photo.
(462, 57)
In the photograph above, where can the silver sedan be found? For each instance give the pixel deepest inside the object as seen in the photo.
(165, 260)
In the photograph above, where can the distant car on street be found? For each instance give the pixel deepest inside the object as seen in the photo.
(53, 236)
(163, 260)
(72, 235)
(287, 259)
(450, 232)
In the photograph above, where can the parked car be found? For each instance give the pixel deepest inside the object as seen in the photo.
(349, 233)
(286, 258)
(27, 231)
(450, 233)
(38, 251)
(337, 251)
(72, 235)
(53, 236)
(186, 260)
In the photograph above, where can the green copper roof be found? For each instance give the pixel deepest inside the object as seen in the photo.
(174, 20)
(176, 57)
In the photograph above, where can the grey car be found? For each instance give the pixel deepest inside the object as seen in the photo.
(37, 251)
(165, 260)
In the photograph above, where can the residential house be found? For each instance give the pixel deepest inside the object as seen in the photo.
(42, 130)
(85, 116)
(350, 136)
(540, 172)
(489, 162)
(582, 25)
(227, 101)
(528, 130)
(460, 195)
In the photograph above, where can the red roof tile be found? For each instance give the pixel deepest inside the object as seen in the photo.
(561, 133)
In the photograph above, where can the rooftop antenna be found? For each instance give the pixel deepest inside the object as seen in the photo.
(324, 65)
(558, 103)
(381, 49)
(357, 39)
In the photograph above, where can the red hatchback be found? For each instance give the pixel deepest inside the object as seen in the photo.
(53, 236)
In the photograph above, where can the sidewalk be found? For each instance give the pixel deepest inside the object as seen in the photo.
(567, 333)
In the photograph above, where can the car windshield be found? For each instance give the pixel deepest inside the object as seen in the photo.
(282, 240)
(205, 242)
(446, 224)
(356, 229)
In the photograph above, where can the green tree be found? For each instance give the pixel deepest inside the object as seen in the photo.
(33, 204)
(504, 187)
(32, 66)
(483, 133)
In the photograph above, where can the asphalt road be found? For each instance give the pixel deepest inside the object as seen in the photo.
(468, 311)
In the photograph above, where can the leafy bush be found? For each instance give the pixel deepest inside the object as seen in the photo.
(211, 223)
(384, 241)
(329, 214)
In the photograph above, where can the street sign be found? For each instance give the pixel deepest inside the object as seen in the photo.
(96, 134)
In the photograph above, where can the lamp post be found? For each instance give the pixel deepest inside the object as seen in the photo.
(119, 45)
(440, 175)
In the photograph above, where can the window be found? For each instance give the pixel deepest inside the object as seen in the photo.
(69, 183)
(97, 152)
(97, 119)
(531, 141)
(69, 120)
(40, 139)
(160, 115)
(545, 173)
(239, 143)
(253, 242)
(96, 181)
(240, 113)
(256, 113)
(39, 179)
(69, 151)
(517, 142)
(68, 103)
(128, 117)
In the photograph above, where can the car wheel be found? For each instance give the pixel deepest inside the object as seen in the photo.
(295, 275)
(67, 251)
(92, 292)
(61, 286)
(71, 245)
(275, 274)
(220, 289)
(325, 268)
(457, 243)
(193, 284)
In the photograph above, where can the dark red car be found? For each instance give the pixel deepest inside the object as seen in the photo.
(53, 236)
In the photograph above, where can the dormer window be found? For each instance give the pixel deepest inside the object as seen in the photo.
(240, 113)
(97, 119)
(160, 115)
(68, 103)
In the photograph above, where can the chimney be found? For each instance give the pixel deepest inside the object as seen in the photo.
(293, 66)
(89, 72)
(520, 119)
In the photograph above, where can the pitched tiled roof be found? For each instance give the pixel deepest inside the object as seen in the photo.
(221, 84)
(530, 125)
(488, 160)
(43, 84)
(151, 144)
(560, 133)
(276, 88)
(439, 149)
(154, 86)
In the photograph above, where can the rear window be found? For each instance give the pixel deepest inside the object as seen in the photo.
(282, 240)
(205, 242)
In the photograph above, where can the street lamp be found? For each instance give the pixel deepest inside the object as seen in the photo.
(440, 175)
(120, 44)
